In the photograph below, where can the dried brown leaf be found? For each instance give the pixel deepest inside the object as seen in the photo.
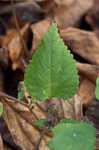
(19, 119)
(73, 108)
(70, 15)
(8, 37)
(88, 71)
(87, 91)
(83, 43)
(16, 48)
(20, 124)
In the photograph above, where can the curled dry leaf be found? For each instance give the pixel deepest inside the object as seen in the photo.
(16, 48)
(83, 43)
(20, 124)
(20, 119)
(70, 15)
(88, 71)
(5, 40)
(86, 91)
(13, 46)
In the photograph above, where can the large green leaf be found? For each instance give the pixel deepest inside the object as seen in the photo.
(97, 89)
(52, 71)
(73, 137)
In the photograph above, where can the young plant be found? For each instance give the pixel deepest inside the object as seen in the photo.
(52, 73)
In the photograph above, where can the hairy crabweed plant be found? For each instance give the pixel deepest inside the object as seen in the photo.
(52, 73)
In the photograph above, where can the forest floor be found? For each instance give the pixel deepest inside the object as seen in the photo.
(78, 25)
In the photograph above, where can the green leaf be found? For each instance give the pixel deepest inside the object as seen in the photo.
(1, 110)
(52, 71)
(40, 123)
(97, 89)
(73, 137)
(68, 120)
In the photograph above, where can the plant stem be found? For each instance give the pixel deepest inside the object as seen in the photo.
(41, 137)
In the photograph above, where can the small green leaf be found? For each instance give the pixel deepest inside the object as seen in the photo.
(40, 123)
(68, 120)
(97, 89)
(52, 71)
(1, 110)
(76, 136)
